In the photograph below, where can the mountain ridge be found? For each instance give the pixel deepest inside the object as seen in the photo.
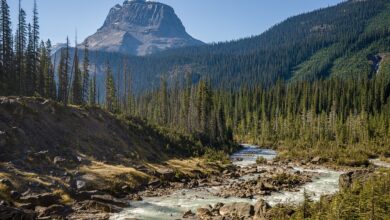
(141, 27)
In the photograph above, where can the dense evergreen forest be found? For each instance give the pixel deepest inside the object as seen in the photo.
(26, 66)
(335, 118)
(340, 111)
(315, 85)
(341, 40)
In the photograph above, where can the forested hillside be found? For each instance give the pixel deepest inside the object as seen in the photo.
(344, 40)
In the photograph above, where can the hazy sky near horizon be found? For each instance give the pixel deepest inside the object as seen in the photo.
(206, 20)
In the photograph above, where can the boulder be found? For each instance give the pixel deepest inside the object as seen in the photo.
(166, 174)
(261, 208)
(44, 199)
(89, 205)
(109, 200)
(188, 214)
(347, 179)
(317, 160)
(11, 213)
(237, 209)
(154, 183)
(59, 160)
(203, 213)
(81, 185)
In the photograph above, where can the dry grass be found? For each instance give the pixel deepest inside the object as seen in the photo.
(65, 198)
(384, 159)
(106, 176)
(187, 166)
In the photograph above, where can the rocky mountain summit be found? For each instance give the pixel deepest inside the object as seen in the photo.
(140, 27)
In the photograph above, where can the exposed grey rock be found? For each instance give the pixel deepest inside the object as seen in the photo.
(44, 199)
(237, 209)
(188, 214)
(109, 200)
(203, 213)
(261, 208)
(140, 28)
(59, 160)
(81, 185)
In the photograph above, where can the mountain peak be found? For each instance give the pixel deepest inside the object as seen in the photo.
(140, 27)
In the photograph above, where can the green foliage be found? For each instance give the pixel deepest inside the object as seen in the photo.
(212, 155)
(367, 200)
(309, 46)
(261, 160)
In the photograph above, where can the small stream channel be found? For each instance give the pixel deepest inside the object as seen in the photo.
(173, 206)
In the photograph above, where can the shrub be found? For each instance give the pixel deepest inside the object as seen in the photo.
(212, 155)
(261, 160)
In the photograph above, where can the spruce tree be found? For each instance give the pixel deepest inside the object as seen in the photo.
(42, 70)
(20, 48)
(85, 79)
(9, 79)
(110, 91)
(63, 71)
(30, 78)
(77, 90)
(92, 90)
(50, 83)
(35, 42)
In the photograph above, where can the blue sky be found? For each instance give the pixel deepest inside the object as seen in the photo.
(206, 20)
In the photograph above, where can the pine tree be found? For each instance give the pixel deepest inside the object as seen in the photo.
(63, 70)
(20, 48)
(77, 90)
(85, 73)
(30, 78)
(50, 83)
(8, 77)
(35, 44)
(110, 91)
(42, 70)
(92, 90)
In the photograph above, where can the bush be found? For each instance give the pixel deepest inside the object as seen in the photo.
(261, 160)
(212, 155)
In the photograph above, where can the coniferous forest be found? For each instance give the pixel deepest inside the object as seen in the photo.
(319, 92)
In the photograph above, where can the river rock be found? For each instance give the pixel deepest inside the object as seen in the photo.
(237, 209)
(109, 200)
(59, 160)
(261, 208)
(166, 174)
(98, 206)
(347, 179)
(81, 185)
(188, 214)
(317, 160)
(203, 213)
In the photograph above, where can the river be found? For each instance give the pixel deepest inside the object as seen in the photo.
(173, 206)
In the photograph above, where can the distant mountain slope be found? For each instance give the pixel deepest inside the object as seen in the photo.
(140, 27)
(336, 41)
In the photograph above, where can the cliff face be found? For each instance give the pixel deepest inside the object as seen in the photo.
(141, 27)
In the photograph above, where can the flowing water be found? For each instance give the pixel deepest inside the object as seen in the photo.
(173, 206)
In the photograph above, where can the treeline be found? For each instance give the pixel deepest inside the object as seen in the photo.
(341, 37)
(195, 109)
(26, 67)
(25, 63)
(369, 199)
(332, 114)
